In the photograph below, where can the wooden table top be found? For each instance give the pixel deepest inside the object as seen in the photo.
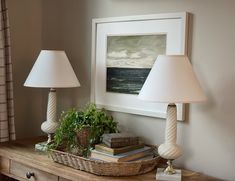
(23, 151)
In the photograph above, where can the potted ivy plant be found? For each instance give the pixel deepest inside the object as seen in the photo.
(79, 130)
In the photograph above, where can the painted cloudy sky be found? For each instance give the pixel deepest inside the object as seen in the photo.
(134, 51)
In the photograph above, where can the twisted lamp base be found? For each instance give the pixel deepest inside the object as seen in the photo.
(51, 124)
(170, 150)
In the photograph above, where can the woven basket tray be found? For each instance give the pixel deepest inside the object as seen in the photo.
(105, 168)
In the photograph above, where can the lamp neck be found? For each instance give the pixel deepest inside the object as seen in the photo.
(171, 126)
(52, 90)
(51, 107)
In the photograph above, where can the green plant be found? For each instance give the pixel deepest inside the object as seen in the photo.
(99, 123)
(72, 122)
(65, 135)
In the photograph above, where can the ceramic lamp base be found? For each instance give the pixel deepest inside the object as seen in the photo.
(51, 124)
(161, 175)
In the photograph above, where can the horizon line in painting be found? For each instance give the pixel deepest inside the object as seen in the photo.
(129, 60)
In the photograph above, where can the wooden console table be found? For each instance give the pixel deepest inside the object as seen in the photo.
(18, 158)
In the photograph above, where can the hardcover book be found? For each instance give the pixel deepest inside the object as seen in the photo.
(123, 157)
(115, 140)
(115, 151)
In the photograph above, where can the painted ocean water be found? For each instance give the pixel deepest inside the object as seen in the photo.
(126, 80)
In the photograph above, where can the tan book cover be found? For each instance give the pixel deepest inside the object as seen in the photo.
(115, 151)
(113, 137)
(115, 140)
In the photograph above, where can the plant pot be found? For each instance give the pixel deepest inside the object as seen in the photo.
(83, 136)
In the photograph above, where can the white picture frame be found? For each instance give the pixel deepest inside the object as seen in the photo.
(174, 25)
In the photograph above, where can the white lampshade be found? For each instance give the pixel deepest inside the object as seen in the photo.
(172, 80)
(52, 69)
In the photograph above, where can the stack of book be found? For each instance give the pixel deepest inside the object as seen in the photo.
(121, 147)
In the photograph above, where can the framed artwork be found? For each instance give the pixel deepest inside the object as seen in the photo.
(123, 52)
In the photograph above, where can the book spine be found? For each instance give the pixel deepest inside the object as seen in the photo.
(127, 149)
(105, 149)
(122, 139)
(115, 151)
(99, 156)
(135, 156)
(120, 144)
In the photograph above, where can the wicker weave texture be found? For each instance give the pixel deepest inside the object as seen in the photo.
(105, 168)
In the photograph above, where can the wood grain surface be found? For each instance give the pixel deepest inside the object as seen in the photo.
(22, 152)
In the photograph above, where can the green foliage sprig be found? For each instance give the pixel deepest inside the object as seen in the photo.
(99, 122)
(65, 135)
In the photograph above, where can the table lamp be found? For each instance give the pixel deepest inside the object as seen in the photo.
(171, 80)
(52, 69)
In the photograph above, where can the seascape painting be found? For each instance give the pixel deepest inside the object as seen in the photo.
(129, 60)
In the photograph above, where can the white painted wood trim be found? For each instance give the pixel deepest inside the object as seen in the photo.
(179, 15)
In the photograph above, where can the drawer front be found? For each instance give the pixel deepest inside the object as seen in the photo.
(21, 170)
(4, 164)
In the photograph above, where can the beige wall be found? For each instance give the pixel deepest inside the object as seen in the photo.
(36, 25)
(26, 40)
(207, 137)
